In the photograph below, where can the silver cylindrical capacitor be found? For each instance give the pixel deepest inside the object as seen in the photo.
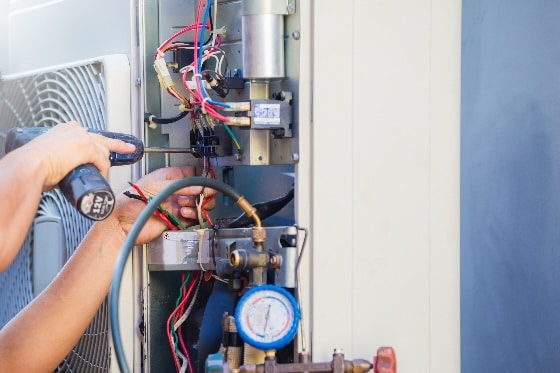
(287, 273)
(287, 276)
(262, 23)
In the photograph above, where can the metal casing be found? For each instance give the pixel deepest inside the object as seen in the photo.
(263, 33)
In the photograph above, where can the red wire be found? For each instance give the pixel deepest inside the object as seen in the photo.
(166, 220)
(185, 351)
(212, 172)
(208, 219)
(172, 345)
(180, 32)
(209, 108)
(211, 198)
(205, 212)
(169, 326)
(158, 213)
(195, 54)
(180, 311)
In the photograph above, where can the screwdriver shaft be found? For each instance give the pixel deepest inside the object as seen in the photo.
(166, 150)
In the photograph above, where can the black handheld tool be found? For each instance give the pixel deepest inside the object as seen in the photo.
(84, 187)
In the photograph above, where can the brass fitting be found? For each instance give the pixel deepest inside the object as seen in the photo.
(258, 234)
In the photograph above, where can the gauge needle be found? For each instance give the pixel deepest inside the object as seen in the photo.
(266, 318)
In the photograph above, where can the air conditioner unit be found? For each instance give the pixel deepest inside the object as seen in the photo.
(97, 94)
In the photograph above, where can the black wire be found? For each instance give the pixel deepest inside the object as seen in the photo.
(211, 24)
(133, 196)
(129, 244)
(149, 117)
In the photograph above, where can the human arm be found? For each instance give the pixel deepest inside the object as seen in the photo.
(38, 166)
(50, 326)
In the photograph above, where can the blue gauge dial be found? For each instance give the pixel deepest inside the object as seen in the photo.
(267, 317)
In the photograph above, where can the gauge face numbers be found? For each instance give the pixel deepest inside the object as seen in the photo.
(267, 317)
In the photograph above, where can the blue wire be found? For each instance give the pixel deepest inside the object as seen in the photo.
(200, 45)
(201, 34)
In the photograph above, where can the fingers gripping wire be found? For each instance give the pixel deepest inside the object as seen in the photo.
(202, 200)
(129, 243)
(199, 202)
(166, 216)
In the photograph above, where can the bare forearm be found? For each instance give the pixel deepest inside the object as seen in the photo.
(40, 165)
(52, 324)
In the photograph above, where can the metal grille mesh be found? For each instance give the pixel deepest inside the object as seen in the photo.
(46, 99)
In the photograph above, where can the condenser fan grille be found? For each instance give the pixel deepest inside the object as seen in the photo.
(46, 99)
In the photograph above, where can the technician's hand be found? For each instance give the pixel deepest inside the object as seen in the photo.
(182, 204)
(68, 145)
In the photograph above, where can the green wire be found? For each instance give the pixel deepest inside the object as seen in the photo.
(233, 137)
(129, 243)
(171, 217)
(173, 331)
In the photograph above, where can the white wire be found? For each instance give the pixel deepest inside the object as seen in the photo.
(204, 101)
(220, 279)
(214, 22)
(187, 312)
(220, 63)
(185, 362)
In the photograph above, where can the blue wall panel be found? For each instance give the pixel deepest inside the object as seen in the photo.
(510, 186)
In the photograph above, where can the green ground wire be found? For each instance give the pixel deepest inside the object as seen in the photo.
(171, 217)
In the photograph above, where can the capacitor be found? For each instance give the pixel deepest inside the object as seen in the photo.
(262, 33)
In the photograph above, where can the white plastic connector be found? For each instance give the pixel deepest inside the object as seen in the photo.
(191, 84)
(239, 121)
(163, 73)
(237, 106)
(152, 125)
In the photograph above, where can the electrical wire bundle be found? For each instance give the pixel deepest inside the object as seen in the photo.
(183, 307)
(130, 240)
(166, 216)
(186, 300)
(193, 75)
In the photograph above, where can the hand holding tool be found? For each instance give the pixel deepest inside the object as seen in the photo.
(84, 187)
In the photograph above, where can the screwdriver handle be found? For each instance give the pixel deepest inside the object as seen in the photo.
(121, 159)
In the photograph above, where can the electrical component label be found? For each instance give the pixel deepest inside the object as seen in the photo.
(267, 114)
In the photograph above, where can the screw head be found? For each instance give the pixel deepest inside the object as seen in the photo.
(296, 35)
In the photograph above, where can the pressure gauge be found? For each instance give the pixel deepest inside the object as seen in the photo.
(267, 317)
